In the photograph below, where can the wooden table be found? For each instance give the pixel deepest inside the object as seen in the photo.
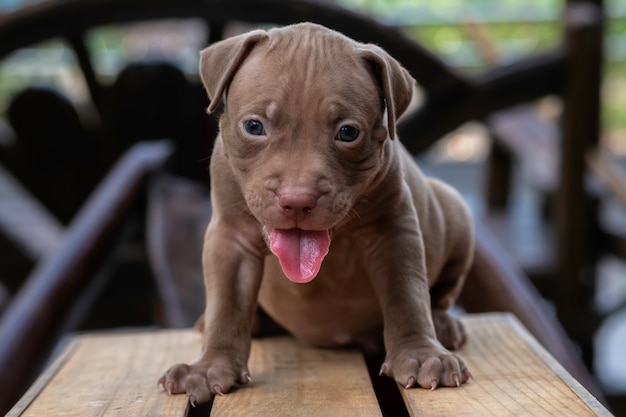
(115, 374)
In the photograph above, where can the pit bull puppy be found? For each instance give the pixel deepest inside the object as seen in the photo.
(320, 214)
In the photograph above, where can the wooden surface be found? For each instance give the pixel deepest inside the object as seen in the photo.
(513, 375)
(116, 374)
(295, 380)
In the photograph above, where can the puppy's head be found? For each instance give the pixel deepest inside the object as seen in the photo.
(307, 117)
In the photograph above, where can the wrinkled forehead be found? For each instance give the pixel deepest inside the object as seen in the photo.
(308, 64)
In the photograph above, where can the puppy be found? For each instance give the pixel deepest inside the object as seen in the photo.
(320, 215)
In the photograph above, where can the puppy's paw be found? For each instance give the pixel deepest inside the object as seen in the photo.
(427, 367)
(203, 379)
(450, 331)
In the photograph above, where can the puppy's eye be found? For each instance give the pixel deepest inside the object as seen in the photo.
(348, 133)
(254, 127)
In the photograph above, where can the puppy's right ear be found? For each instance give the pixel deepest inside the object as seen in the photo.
(220, 61)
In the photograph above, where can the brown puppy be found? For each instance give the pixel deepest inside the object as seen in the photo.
(306, 157)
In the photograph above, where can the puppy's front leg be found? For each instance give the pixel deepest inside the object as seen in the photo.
(399, 276)
(232, 273)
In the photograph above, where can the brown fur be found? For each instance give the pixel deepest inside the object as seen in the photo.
(401, 243)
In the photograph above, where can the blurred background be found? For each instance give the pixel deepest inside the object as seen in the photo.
(73, 104)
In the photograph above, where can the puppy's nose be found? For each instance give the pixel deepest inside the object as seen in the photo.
(293, 203)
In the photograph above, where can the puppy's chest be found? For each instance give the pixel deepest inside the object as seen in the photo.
(345, 257)
(338, 307)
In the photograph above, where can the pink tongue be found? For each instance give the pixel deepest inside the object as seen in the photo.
(300, 252)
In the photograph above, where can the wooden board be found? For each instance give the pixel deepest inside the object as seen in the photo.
(115, 375)
(512, 376)
(294, 380)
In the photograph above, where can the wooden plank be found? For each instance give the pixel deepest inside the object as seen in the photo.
(576, 211)
(116, 375)
(292, 379)
(513, 375)
(42, 381)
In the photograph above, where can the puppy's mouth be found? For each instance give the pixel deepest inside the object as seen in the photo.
(299, 251)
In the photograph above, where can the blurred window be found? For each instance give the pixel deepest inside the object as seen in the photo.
(50, 64)
(175, 41)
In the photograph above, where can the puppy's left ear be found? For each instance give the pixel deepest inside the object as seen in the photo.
(395, 81)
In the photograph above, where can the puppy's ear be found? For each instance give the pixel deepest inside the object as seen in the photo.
(395, 81)
(220, 61)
